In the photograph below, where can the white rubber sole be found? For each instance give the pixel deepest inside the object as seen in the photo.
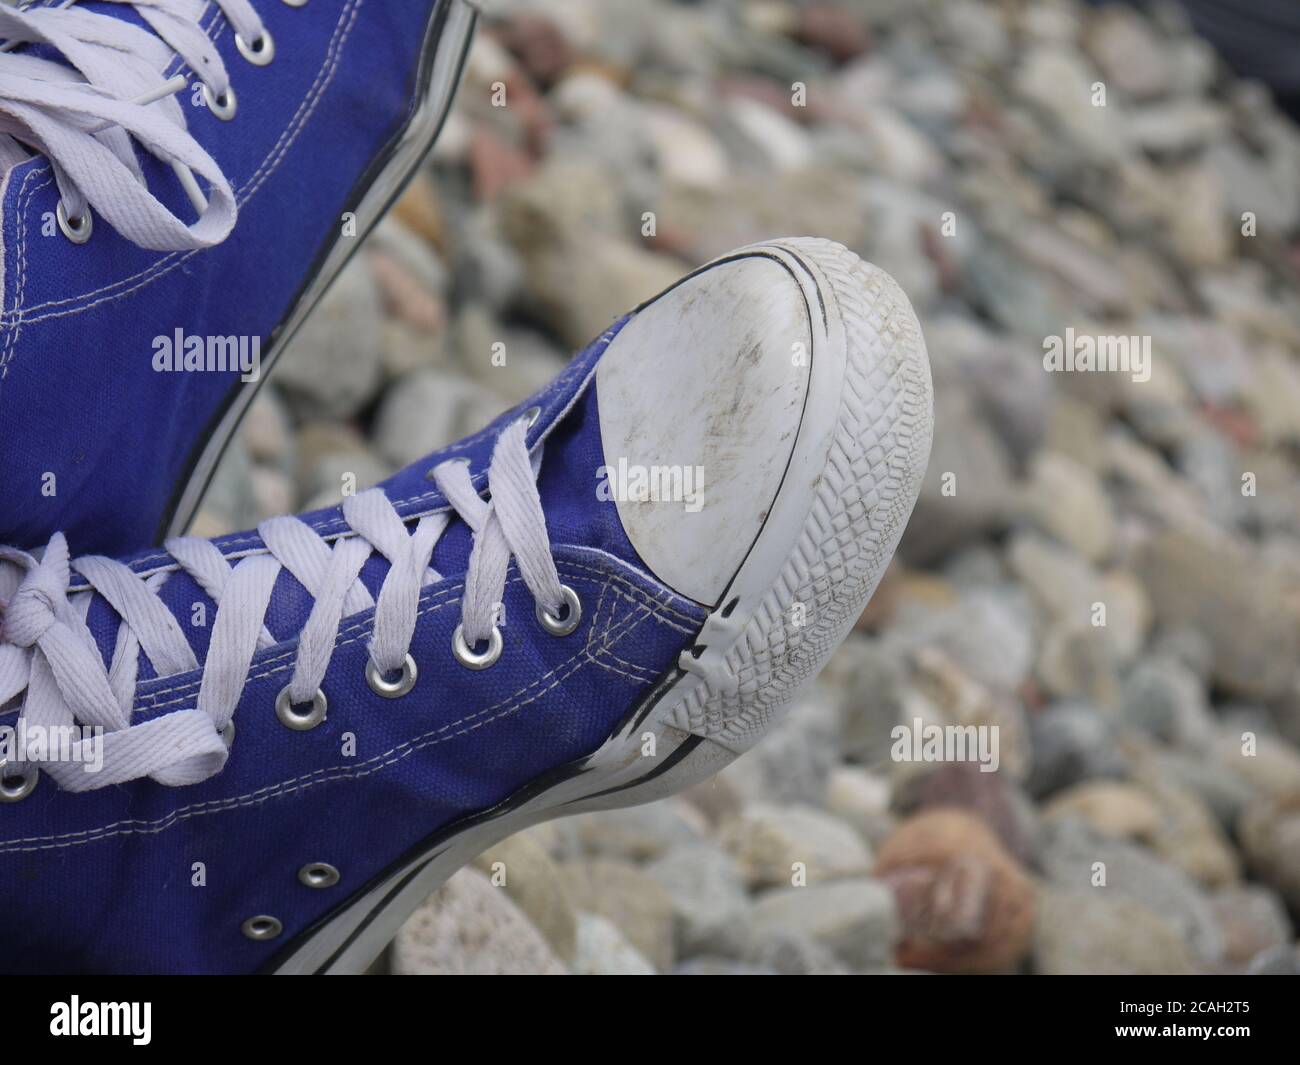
(852, 480)
(444, 66)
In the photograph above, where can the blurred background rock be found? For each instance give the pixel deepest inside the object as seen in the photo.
(641, 138)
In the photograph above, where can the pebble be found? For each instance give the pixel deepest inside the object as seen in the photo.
(521, 867)
(1071, 742)
(427, 410)
(636, 833)
(1110, 807)
(854, 918)
(964, 903)
(470, 928)
(602, 950)
(1253, 920)
(1088, 932)
(1069, 859)
(792, 953)
(1270, 836)
(1165, 698)
(331, 368)
(709, 898)
(1067, 501)
(267, 432)
(778, 845)
(630, 899)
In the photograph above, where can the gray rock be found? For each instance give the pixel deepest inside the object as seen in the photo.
(471, 928)
(792, 953)
(704, 966)
(630, 899)
(602, 950)
(1059, 83)
(860, 798)
(1067, 501)
(967, 489)
(1090, 932)
(1068, 857)
(333, 475)
(581, 274)
(791, 763)
(331, 368)
(1176, 127)
(870, 680)
(1223, 791)
(1276, 961)
(522, 868)
(1164, 698)
(774, 844)
(989, 635)
(1253, 919)
(488, 269)
(511, 363)
(854, 918)
(1130, 53)
(1270, 837)
(227, 502)
(266, 431)
(1079, 663)
(427, 410)
(1269, 765)
(1071, 741)
(710, 906)
(1186, 646)
(1258, 181)
(635, 833)
(272, 492)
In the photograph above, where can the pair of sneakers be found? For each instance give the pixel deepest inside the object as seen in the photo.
(261, 752)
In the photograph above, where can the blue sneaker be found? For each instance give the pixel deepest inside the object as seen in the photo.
(599, 599)
(181, 181)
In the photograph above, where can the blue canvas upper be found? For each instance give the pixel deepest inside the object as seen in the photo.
(79, 398)
(103, 881)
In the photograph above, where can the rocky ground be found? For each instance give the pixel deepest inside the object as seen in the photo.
(1145, 815)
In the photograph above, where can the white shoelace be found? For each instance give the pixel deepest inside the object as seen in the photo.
(47, 650)
(83, 114)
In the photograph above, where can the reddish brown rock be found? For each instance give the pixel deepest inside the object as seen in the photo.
(964, 785)
(833, 30)
(964, 903)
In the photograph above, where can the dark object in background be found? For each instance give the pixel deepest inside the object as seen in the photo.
(1258, 39)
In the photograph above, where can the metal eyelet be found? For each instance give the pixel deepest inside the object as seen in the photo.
(222, 106)
(532, 414)
(296, 3)
(318, 875)
(299, 720)
(566, 623)
(79, 231)
(392, 689)
(17, 784)
(465, 654)
(260, 51)
(263, 926)
(227, 734)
